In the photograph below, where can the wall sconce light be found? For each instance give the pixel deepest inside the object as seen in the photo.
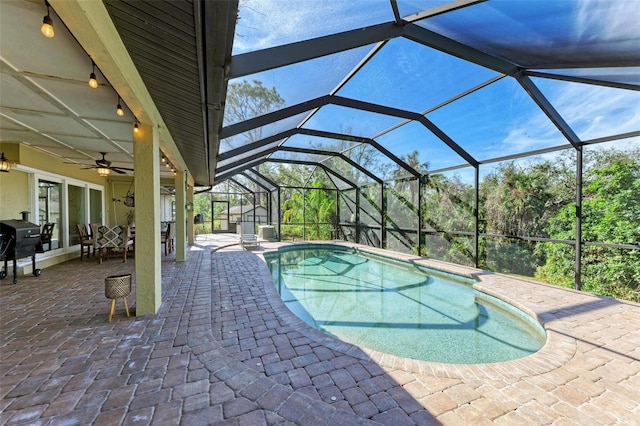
(136, 127)
(93, 82)
(119, 110)
(47, 24)
(4, 164)
(104, 171)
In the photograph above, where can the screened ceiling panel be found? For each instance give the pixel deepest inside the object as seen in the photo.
(285, 155)
(350, 121)
(321, 176)
(263, 24)
(292, 82)
(252, 173)
(627, 75)
(593, 111)
(413, 77)
(348, 172)
(328, 144)
(547, 34)
(414, 137)
(298, 173)
(498, 120)
(248, 154)
(410, 7)
(261, 132)
(498, 79)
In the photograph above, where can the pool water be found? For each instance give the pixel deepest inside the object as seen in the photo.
(399, 308)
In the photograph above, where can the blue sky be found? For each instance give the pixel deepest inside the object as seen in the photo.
(497, 120)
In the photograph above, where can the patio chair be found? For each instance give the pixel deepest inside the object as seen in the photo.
(110, 238)
(85, 241)
(249, 240)
(167, 237)
(46, 234)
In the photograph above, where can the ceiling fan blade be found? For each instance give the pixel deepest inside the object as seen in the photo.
(88, 167)
(115, 169)
(122, 168)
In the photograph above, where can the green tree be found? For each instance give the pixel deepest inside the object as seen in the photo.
(610, 214)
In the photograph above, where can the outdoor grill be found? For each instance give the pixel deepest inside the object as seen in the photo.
(19, 239)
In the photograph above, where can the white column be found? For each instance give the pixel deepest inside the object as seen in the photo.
(181, 201)
(146, 163)
(190, 225)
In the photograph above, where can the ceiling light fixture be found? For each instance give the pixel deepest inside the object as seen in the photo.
(104, 171)
(47, 24)
(4, 164)
(93, 82)
(119, 110)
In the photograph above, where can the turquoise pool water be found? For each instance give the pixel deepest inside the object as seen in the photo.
(399, 308)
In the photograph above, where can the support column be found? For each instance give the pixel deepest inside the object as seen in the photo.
(383, 217)
(476, 218)
(279, 217)
(578, 260)
(337, 224)
(181, 217)
(357, 230)
(146, 162)
(420, 218)
(304, 215)
(190, 225)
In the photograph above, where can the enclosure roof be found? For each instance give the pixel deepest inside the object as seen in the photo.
(426, 86)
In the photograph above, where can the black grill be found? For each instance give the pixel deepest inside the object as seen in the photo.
(19, 239)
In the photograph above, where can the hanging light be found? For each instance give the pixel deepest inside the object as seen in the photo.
(4, 164)
(104, 171)
(119, 110)
(47, 24)
(136, 128)
(93, 82)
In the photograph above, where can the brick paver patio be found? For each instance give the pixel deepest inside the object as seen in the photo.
(223, 349)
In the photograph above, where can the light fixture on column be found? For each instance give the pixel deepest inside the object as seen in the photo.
(4, 164)
(104, 171)
(119, 110)
(93, 82)
(136, 127)
(47, 24)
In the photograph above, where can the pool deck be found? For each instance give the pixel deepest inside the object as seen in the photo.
(223, 349)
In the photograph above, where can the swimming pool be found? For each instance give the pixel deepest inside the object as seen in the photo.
(400, 308)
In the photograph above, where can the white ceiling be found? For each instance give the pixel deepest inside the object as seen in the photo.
(45, 101)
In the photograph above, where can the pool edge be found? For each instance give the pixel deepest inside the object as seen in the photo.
(558, 349)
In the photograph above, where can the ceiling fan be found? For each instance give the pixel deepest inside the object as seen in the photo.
(104, 166)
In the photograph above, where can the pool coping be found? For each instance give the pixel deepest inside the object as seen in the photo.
(558, 349)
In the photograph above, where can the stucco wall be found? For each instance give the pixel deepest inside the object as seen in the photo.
(14, 194)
